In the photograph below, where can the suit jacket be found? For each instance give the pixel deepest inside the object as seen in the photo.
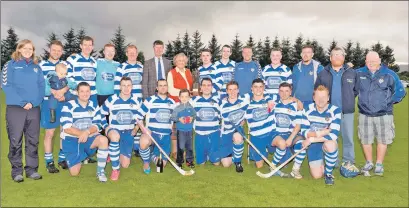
(149, 76)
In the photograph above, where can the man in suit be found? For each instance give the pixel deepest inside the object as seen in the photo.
(154, 69)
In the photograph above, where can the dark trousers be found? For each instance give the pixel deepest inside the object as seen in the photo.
(184, 142)
(19, 121)
(53, 102)
(101, 100)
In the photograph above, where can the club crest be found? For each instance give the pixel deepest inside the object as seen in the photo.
(380, 81)
(131, 105)
(327, 118)
(311, 73)
(211, 102)
(90, 112)
(35, 70)
(252, 69)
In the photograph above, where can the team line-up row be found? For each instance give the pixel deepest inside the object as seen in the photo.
(298, 111)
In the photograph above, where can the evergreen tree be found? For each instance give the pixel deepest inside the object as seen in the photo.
(378, 47)
(215, 48)
(358, 56)
(266, 52)
(389, 59)
(197, 46)
(319, 53)
(80, 35)
(186, 47)
(101, 53)
(236, 47)
(297, 48)
(119, 42)
(51, 37)
(250, 42)
(177, 45)
(276, 43)
(69, 44)
(349, 52)
(258, 52)
(286, 51)
(331, 46)
(169, 53)
(308, 42)
(141, 57)
(9, 45)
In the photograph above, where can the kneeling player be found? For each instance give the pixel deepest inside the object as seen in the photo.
(206, 125)
(287, 118)
(320, 126)
(158, 110)
(121, 108)
(233, 111)
(81, 122)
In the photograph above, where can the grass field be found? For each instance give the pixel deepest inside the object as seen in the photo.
(210, 186)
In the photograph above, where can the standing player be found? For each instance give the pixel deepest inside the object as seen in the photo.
(122, 109)
(56, 49)
(209, 70)
(247, 71)
(225, 67)
(106, 71)
(233, 110)
(84, 66)
(134, 70)
(320, 127)
(157, 110)
(287, 118)
(275, 73)
(81, 122)
(206, 125)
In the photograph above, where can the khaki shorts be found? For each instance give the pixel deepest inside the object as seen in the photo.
(381, 127)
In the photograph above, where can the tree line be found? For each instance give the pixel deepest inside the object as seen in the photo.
(192, 44)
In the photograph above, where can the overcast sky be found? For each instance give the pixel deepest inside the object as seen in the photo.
(144, 22)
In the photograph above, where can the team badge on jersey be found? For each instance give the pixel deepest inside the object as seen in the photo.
(239, 105)
(289, 110)
(280, 72)
(252, 69)
(327, 118)
(131, 105)
(90, 112)
(311, 73)
(380, 81)
(210, 71)
(211, 102)
(35, 70)
(169, 104)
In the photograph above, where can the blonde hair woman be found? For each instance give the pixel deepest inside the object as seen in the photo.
(23, 85)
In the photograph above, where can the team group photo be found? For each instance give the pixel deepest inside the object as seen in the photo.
(87, 121)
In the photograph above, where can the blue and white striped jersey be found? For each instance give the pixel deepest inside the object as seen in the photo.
(233, 113)
(157, 113)
(226, 73)
(273, 77)
(83, 70)
(286, 117)
(122, 113)
(259, 120)
(47, 66)
(133, 71)
(316, 121)
(207, 114)
(74, 115)
(212, 73)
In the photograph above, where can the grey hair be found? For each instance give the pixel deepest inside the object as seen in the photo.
(338, 49)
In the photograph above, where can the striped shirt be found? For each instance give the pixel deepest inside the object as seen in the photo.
(122, 113)
(207, 114)
(273, 77)
(233, 113)
(259, 120)
(286, 117)
(83, 70)
(226, 72)
(212, 73)
(74, 115)
(47, 66)
(316, 121)
(133, 71)
(158, 112)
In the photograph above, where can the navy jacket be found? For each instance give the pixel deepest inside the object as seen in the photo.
(349, 88)
(379, 92)
(23, 82)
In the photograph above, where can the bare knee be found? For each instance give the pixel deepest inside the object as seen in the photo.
(330, 146)
(317, 171)
(279, 142)
(226, 162)
(49, 134)
(102, 142)
(125, 163)
(114, 136)
(75, 170)
(237, 138)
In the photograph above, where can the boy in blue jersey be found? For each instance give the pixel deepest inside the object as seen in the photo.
(233, 111)
(210, 71)
(184, 114)
(207, 124)
(287, 117)
(122, 109)
(57, 80)
(304, 75)
(81, 121)
(157, 110)
(275, 73)
(106, 71)
(320, 127)
(225, 66)
(247, 71)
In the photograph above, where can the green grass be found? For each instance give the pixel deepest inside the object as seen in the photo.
(211, 186)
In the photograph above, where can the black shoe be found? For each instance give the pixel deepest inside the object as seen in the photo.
(51, 168)
(180, 165)
(136, 152)
(63, 164)
(35, 176)
(190, 164)
(88, 160)
(52, 115)
(18, 178)
(239, 168)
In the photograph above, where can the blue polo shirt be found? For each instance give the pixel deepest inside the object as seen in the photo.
(336, 91)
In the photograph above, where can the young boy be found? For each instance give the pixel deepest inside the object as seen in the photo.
(56, 81)
(184, 115)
